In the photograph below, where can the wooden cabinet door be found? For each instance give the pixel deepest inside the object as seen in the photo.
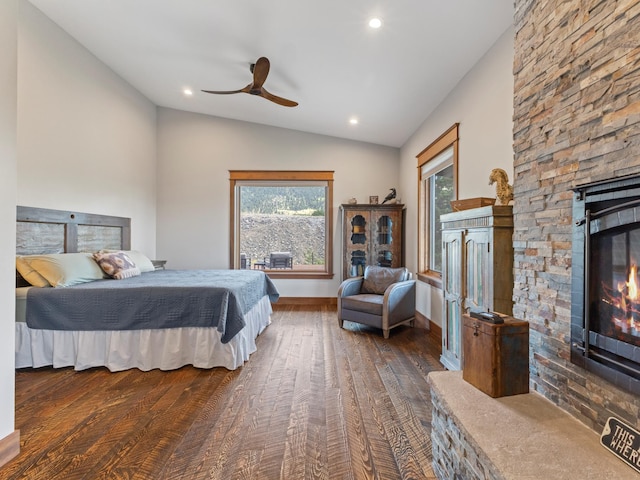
(357, 242)
(386, 238)
(478, 271)
(453, 289)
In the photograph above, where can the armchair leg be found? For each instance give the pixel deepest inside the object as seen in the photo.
(385, 333)
(340, 322)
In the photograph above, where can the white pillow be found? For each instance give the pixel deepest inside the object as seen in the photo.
(141, 260)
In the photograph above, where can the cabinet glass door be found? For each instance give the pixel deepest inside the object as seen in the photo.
(358, 246)
(384, 237)
(358, 261)
(358, 229)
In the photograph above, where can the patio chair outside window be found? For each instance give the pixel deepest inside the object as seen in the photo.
(280, 260)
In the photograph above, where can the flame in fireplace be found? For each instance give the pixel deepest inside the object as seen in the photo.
(628, 290)
(625, 303)
(632, 286)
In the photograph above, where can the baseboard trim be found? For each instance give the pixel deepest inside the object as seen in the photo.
(9, 447)
(435, 331)
(311, 301)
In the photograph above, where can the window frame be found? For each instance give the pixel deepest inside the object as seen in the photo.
(236, 177)
(449, 139)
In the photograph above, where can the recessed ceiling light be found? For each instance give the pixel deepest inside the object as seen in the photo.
(188, 92)
(375, 23)
(353, 121)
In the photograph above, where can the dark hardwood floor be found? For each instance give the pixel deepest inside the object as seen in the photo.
(314, 402)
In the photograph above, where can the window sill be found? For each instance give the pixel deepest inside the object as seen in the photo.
(431, 278)
(298, 275)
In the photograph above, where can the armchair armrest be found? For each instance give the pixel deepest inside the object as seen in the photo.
(350, 286)
(399, 301)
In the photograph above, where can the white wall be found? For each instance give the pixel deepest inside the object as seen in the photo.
(8, 121)
(87, 141)
(86, 138)
(195, 154)
(483, 105)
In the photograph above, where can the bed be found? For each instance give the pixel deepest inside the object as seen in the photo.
(72, 311)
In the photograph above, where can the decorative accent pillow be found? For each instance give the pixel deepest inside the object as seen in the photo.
(65, 269)
(29, 274)
(378, 279)
(117, 265)
(139, 258)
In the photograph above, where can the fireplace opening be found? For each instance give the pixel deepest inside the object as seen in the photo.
(605, 301)
(616, 303)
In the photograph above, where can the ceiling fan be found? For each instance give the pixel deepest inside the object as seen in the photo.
(260, 70)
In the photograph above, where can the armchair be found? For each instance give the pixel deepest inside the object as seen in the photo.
(383, 298)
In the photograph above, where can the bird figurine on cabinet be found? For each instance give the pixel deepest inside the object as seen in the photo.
(504, 191)
(391, 196)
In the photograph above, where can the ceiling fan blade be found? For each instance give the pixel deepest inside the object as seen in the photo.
(260, 72)
(279, 100)
(228, 92)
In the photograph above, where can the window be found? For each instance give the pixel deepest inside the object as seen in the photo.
(281, 222)
(440, 194)
(438, 173)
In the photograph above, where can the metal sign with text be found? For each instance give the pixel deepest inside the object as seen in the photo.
(623, 441)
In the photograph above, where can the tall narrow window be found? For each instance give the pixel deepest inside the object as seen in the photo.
(282, 222)
(438, 166)
(440, 186)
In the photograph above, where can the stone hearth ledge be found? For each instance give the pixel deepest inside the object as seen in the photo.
(516, 437)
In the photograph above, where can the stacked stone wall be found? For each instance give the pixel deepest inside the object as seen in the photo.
(576, 120)
(456, 455)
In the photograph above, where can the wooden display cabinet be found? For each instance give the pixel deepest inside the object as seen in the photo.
(477, 271)
(372, 235)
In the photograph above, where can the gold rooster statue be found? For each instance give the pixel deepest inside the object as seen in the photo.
(504, 191)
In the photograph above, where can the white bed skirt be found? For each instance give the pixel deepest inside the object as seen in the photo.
(165, 349)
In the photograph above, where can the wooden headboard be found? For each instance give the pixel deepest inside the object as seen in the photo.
(42, 230)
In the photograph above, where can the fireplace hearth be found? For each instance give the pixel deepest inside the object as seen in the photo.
(605, 286)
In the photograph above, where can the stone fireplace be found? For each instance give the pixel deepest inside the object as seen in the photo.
(605, 293)
(576, 122)
(576, 126)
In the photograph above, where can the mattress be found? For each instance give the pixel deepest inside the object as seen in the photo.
(147, 349)
(21, 303)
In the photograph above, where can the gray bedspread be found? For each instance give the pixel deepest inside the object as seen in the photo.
(153, 300)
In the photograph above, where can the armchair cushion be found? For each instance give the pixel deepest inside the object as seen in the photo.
(378, 279)
(365, 302)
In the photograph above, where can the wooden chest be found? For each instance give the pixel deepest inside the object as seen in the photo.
(496, 357)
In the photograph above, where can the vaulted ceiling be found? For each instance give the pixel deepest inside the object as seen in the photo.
(323, 55)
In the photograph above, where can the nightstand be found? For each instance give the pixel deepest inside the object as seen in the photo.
(158, 264)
